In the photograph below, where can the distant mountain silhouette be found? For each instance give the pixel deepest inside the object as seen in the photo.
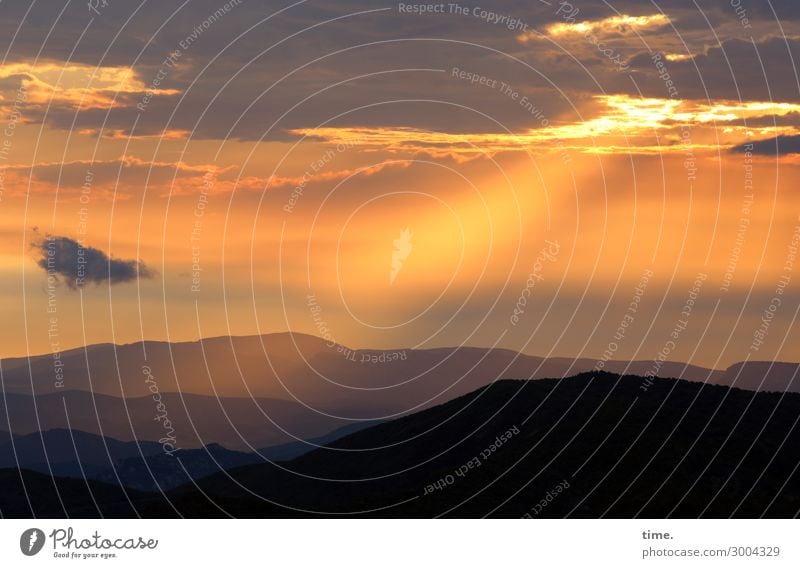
(141, 465)
(161, 472)
(291, 450)
(590, 446)
(236, 423)
(138, 465)
(68, 453)
(361, 384)
(763, 376)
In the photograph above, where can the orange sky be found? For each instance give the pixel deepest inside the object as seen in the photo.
(623, 182)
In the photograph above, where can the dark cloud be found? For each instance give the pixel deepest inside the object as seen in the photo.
(775, 10)
(238, 83)
(226, 76)
(736, 69)
(76, 265)
(780, 145)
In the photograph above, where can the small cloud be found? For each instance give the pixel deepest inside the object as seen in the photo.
(77, 265)
(778, 145)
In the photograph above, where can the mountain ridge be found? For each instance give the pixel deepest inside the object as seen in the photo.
(331, 378)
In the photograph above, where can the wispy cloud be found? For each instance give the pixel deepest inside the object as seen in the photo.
(615, 25)
(77, 86)
(619, 123)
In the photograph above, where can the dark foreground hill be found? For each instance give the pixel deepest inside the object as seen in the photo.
(28, 494)
(588, 446)
(613, 448)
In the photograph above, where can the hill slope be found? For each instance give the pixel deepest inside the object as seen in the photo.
(675, 449)
(589, 446)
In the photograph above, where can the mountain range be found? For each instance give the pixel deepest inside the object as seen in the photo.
(330, 377)
(594, 445)
(290, 425)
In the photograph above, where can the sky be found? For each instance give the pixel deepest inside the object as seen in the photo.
(564, 179)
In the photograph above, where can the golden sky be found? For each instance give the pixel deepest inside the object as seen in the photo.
(407, 171)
